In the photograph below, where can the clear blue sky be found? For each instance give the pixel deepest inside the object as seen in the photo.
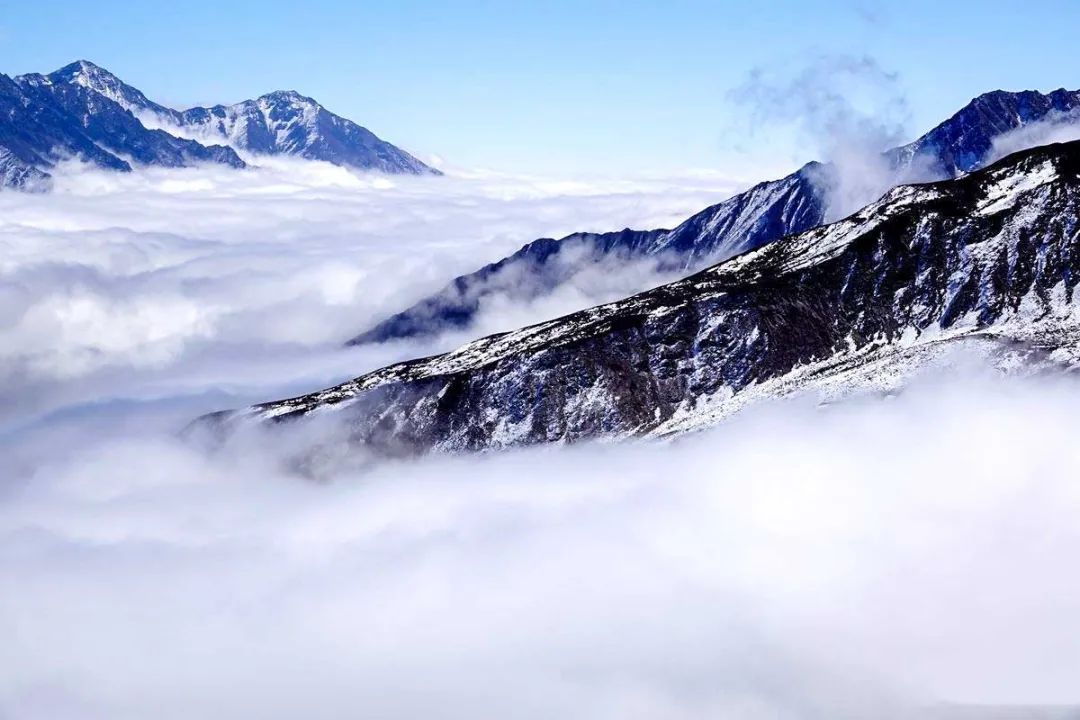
(557, 87)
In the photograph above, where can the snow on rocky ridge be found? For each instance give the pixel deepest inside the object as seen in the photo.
(814, 194)
(85, 112)
(988, 261)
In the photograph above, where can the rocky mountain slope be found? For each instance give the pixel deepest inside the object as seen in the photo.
(760, 215)
(45, 119)
(16, 173)
(991, 260)
(965, 141)
(278, 123)
(82, 111)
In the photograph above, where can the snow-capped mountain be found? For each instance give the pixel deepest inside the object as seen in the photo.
(990, 260)
(762, 214)
(83, 73)
(965, 141)
(85, 112)
(288, 123)
(278, 123)
(45, 119)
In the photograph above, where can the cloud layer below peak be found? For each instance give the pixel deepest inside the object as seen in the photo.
(865, 560)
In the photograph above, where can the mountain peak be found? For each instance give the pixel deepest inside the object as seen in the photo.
(290, 96)
(963, 142)
(85, 111)
(82, 69)
(96, 78)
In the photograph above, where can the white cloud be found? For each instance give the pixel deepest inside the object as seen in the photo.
(860, 561)
(846, 111)
(1056, 127)
(164, 271)
(795, 563)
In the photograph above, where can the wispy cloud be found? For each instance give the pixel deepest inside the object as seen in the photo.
(834, 101)
(846, 110)
(1057, 127)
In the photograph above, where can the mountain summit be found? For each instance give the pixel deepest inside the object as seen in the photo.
(285, 122)
(45, 119)
(94, 77)
(83, 111)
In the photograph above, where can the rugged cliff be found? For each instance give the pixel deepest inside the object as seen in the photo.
(992, 256)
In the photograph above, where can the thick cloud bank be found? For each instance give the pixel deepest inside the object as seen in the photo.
(237, 281)
(874, 558)
(1056, 128)
(866, 560)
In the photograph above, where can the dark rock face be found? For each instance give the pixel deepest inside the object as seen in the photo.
(765, 212)
(531, 272)
(38, 133)
(83, 111)
(963, 142)
(991, 255)
(762, 214)
(744, 222)
(110, 125)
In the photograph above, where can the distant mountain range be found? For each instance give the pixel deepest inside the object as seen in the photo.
(989, 261)
(766, 212)
(85, 112)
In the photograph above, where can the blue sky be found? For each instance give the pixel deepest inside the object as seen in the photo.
(585, 87)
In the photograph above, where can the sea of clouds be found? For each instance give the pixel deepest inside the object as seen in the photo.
(250, 282)
(871, 559)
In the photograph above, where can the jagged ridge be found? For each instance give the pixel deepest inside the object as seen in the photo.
(45, 119)
(85, 112)
(283, 122)
(992, 255)
(760, 215)
(288, 123)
